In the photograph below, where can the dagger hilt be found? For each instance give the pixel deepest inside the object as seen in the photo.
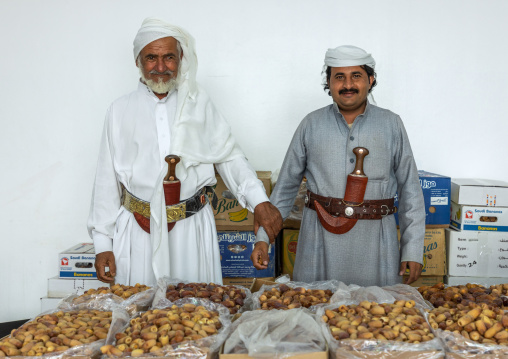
(360, 153)
(172, 161)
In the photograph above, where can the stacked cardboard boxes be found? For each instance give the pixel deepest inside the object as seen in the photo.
(235, 232)
(477, 244)
(76, 275)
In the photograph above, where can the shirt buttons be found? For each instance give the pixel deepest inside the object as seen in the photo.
(351, 160)
(351, 138)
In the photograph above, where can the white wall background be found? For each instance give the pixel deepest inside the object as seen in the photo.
(441, 66)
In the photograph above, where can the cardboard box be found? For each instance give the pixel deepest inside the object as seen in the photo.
(434, 252)
(477, 254)
(436, 194)
(49, 303)
(486, 282)
(252, 283)
(78, 262)
(480, 192)
(313, 355)
(426, 280)
(59, 288)
(229, 215)
(289, 244)
(479, 218)
(385, 354)
(235, 250)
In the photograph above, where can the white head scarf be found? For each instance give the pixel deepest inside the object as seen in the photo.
(154, 29)
(349, 55)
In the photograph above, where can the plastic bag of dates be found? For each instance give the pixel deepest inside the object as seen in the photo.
(292, 295)
(472, 329)
(387, 294)
(236, 298)
(371, 329)
(188, 328)
(275, 334)
(440, 295)
(80, 331)
(133, 298)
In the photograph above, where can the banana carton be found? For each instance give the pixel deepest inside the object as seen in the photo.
(235, 250)
(229, 214)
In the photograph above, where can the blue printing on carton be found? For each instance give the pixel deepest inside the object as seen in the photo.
(235, 250)
(469, 227)
(436, 192)
(82, 275)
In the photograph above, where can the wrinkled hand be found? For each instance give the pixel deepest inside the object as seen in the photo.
(266, 215)
(103, 260)
(415, 269)
(259, 256)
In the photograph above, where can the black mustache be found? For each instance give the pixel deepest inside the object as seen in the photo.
(347, 90)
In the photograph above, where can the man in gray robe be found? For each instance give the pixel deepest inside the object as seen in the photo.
(321, 150)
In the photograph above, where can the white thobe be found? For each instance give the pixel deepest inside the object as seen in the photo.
(136, 139)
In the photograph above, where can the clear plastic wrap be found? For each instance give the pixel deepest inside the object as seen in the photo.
(460, 347)
(468, 323)
(275, 334)
(194, 349)
(330, 285)
(374, 348)
(134, 303)
(163, 283)
(47, 332)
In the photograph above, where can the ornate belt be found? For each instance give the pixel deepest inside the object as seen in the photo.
(368, 209)
(183, 209)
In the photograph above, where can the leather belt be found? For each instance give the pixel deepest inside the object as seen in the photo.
(183, 209)
(368, 209)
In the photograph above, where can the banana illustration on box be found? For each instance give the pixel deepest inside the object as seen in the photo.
(238, 216)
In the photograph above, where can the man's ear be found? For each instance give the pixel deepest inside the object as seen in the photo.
(181, 55)
(371, 81)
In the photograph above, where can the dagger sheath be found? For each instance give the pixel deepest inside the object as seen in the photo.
(355, 192)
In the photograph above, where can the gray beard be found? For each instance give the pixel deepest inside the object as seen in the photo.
(160, 87)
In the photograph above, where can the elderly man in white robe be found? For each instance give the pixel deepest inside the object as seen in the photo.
(322, 151)
(168, 114)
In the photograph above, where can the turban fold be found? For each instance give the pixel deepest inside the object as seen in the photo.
(154, 29)
(348, 55)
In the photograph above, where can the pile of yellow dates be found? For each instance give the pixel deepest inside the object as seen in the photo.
(478, 323)
(56, 332)
(123, 291)
(399, 321)
(156, 330)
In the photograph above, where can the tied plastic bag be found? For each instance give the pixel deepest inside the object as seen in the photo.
(188, 328)
(291, 295)
(369, 328)
(53, 333)
(236, 298)
(133, 298)
(275, 334)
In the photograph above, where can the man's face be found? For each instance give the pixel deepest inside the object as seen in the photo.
(159, 61)
(349, 86)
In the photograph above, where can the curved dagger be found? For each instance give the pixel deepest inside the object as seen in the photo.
(355, 191)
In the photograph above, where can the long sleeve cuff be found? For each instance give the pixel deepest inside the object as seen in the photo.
(101, 242)
(412, 252)
(261, 236)
(252, 195)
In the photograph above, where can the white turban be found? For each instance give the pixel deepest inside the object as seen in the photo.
(348, 55)
(154, 29)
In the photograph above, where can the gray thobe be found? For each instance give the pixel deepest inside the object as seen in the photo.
(321, 150)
